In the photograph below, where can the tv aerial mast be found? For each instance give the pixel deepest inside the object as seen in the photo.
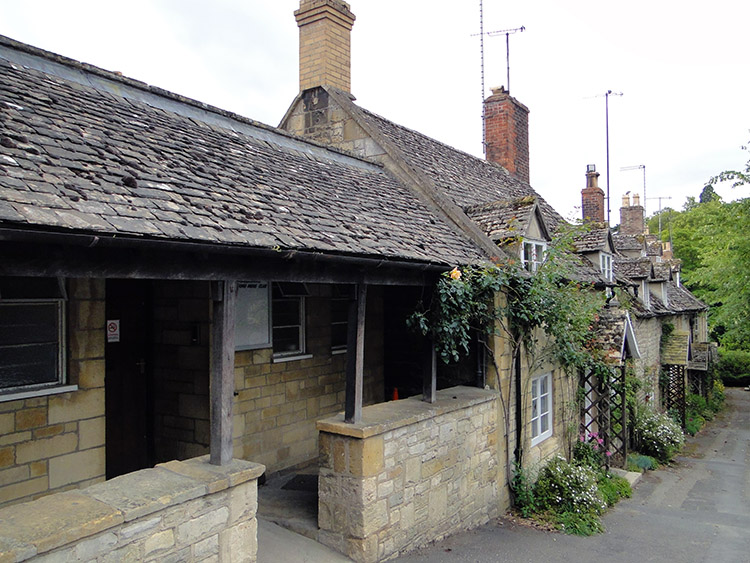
(481, 34)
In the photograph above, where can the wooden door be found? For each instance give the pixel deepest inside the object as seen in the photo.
(129, 380)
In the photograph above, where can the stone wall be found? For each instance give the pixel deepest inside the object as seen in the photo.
(278, 402)
(410, 473)
(178, 511)
(647, 367)
(182, 328)
(56, 442)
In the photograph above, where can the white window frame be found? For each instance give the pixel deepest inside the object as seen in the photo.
(605, 263)
(57, 384)
(541, 389)
(537, 250)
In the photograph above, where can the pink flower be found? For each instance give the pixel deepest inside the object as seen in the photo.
(608, 454)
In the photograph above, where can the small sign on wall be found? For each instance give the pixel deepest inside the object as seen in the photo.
(113, 331)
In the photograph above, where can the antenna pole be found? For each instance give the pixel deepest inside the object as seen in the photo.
(481, 49)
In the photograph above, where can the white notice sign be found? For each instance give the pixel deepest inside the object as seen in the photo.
(113, 331)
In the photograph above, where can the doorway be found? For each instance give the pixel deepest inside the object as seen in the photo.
(129, 376)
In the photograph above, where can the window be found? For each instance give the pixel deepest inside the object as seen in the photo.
(32, 334)
(541, 408)
(532, 254)
(605, 261)
(271, 315)
(340, 299)
(288, 318)
(252, 324)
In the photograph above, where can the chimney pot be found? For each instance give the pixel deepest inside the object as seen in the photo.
(626, 200)
(636, 200)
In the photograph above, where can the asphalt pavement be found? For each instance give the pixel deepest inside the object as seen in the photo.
(697, 510)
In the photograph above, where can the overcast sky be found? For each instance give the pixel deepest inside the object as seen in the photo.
(682, 68)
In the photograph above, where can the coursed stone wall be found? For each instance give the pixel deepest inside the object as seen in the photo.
(409, 474)
(277, 403)
(177, 511)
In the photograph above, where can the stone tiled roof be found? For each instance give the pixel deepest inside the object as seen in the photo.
(628, 242)
(676, 348)
(633, 268)
(681, 300)
(88, 151)
(653, 246)
(463, 178)
(662, 272)
(592, 240)
(610, 333)
(503, 219)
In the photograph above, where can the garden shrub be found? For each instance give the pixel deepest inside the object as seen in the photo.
(613, 488)
(657, 434)
(523, 491)
(733, 367)
(639, 462)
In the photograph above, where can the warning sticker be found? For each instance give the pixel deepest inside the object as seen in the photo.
(113, 331)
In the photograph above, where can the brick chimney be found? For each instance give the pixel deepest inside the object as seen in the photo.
(632, 217)
(592, 197)
(506, 133)
(324, 44)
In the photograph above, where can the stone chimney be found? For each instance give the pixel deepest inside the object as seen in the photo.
(632, 217)
(592, 197)
(506, 133)
(324, 44)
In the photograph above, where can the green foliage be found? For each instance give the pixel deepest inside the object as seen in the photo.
(656, 434)
(579, 523)
(589, 451)
(733, 367)
(523, 492)
(613, 488)
(464, 301)
(711, 239)
(737, 177)
(639, 462)
(564, 487)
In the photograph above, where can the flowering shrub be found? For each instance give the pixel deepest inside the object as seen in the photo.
(563, 487)
(589, 450)
(657, 435)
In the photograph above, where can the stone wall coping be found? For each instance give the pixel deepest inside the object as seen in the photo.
(39, 526)
(384, 417)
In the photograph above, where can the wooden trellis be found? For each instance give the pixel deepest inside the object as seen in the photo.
(603, 412)
(673, 390)
(698, 382)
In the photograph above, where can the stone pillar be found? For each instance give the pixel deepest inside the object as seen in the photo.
(506, 133)
(324, 44)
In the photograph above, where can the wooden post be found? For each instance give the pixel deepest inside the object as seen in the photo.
(429, 383)
(355, 352)
(224, 294)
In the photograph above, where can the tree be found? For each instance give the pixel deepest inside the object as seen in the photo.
(739, 177)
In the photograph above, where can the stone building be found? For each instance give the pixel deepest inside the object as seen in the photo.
(182, 283)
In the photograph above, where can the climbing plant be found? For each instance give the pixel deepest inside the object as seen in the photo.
(504, 299)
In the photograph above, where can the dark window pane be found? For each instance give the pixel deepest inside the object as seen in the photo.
(286, 340)
(338, 335)
(339, 310)
(286, 312)
(33, 364)
(28, 323)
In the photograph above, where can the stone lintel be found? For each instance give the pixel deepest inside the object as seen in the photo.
(383, 417)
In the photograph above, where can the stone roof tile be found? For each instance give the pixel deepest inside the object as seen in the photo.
(121, 158)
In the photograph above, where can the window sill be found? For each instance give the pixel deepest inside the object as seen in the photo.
(338, 351)
(292, 358)
(19, 395)
(539, 439)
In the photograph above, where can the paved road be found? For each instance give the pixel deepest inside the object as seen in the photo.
(696, 511)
